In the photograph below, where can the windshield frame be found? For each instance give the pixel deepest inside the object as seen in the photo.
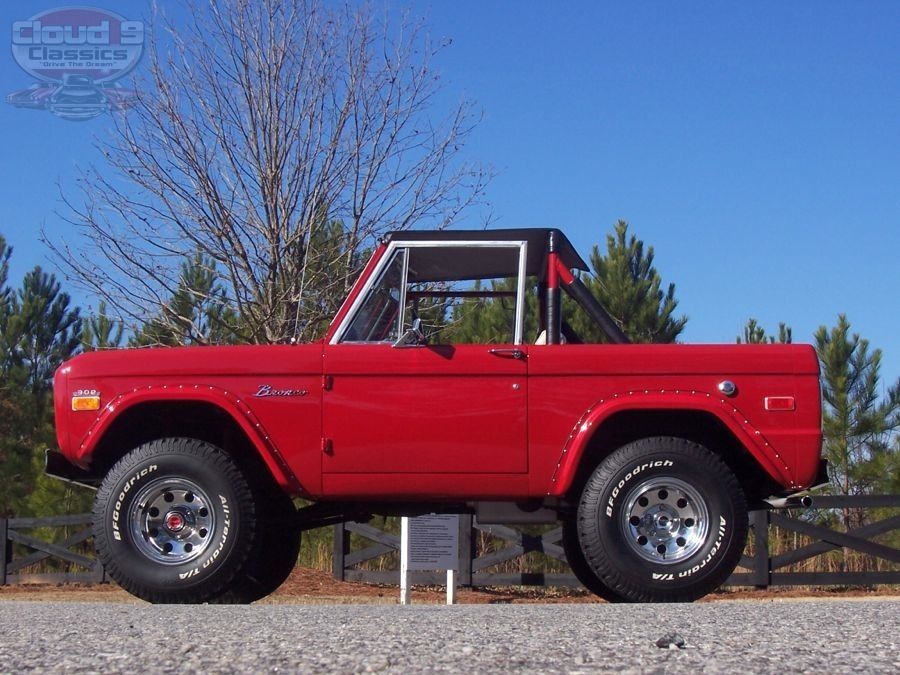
(388, 258)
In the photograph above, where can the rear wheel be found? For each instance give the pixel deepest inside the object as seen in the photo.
(662, 520)
(580, 567)
(174, 521)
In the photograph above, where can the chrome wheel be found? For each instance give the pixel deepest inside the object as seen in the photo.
(665, 520)
(172, 521)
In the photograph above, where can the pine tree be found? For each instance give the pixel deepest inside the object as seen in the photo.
(754, 334)
(630, 288)
(45, 330)
(5, 253)
(328, 265)
(101, 332)
(16, 475)
(490, 320)
(38, 330)
(858, 422)
(196, 314)
(14, 464)
(7, 350)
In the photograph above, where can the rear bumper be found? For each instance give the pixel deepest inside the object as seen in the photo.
(57, 466)
(801, 499)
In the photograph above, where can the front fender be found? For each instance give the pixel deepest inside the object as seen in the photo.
(722, 409)
(225, 400)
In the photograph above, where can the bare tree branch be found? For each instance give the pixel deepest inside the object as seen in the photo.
(279, 140)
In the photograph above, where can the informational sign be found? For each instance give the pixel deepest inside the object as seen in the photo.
(429, 543)
(434, 542)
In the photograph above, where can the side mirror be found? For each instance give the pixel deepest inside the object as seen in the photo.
(413, 337)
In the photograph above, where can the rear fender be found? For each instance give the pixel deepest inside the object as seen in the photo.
(734, 420)
(227, 401)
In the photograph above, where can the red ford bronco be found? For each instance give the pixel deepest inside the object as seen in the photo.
(649, 455)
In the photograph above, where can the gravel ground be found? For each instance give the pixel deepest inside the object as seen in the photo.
(834, 636)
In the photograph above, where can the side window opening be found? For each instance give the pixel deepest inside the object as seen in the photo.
(472, 312)
(463, 295)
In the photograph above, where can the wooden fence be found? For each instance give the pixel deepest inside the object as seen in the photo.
(33, 551)
(769, 570)
(757, 567)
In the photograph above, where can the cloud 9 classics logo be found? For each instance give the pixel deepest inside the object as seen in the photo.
(76, 54)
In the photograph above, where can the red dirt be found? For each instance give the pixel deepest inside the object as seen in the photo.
(308, 586)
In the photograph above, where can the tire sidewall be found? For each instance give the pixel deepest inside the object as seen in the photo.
(219, 559)
(580, 567)
(603, 527)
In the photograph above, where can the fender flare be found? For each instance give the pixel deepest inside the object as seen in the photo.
(722, 409)
(227, 401)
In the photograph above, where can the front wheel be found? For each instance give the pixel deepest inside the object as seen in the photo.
(274, 557)
(662, 520)
(174, 521)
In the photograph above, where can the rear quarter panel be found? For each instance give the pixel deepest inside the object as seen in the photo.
(574, 388)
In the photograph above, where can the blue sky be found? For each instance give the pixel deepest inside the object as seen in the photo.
(755, 146)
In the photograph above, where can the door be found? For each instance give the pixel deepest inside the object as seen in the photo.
(425, 409)
(407, 389)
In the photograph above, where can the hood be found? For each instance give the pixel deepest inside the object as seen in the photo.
(198, 361)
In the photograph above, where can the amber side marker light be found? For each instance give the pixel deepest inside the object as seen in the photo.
(85, 403)
(779, 403)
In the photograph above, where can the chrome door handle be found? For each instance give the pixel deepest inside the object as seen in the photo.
(508, 353)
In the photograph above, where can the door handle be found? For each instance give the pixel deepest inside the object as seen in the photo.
(508, 353)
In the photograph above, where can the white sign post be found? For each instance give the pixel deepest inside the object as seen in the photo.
(429, 543)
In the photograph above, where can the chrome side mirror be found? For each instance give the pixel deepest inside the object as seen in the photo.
(413, 337)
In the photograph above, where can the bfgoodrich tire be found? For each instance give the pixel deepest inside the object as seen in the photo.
(174, 521)
(580, 567)
(662, 520)
(274, 557)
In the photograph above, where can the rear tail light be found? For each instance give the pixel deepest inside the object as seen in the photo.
(779, 403)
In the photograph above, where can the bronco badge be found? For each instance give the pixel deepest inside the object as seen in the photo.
(268, 390)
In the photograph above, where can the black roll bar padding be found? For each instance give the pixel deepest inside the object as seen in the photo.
(553, 316)
(583, 296)
(551, 302)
